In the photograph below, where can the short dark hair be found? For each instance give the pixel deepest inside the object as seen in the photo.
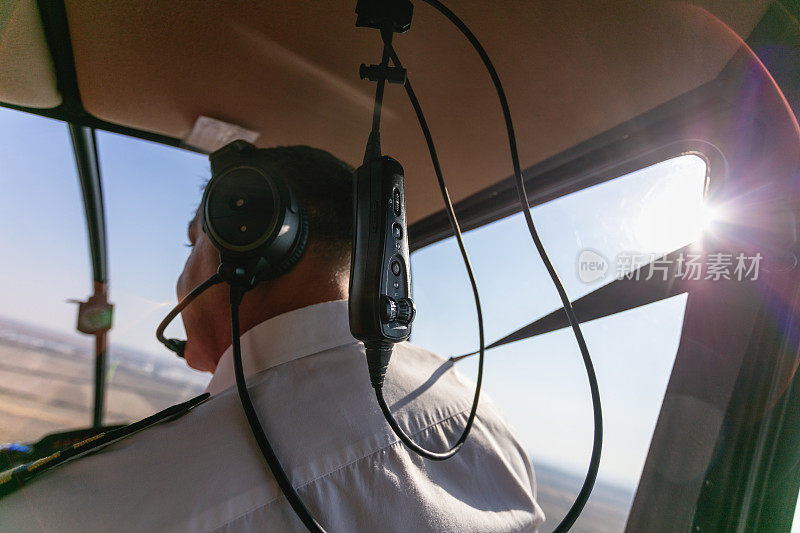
(324, 184)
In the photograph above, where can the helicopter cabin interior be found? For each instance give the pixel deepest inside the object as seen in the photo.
(614, 103)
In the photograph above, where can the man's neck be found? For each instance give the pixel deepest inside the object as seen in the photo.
(257, 309)
(290, 292)
(311, 281)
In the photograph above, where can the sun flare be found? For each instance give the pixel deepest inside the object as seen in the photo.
(673, 213)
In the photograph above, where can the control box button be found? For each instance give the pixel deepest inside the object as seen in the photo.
(396, 201)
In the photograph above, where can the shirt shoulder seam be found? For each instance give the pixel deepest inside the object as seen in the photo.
(387, 446)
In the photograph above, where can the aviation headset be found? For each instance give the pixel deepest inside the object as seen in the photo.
(260, 228)
(253, 217)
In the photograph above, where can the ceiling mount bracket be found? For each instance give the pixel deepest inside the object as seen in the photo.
(392, 15)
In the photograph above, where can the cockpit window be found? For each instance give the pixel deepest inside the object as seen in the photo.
(151, 191)
(46, 367)
(540, 383)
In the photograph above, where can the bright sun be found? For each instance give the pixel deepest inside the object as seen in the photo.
(673, 214)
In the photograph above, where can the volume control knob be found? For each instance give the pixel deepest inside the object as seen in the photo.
(388, 309)
(405, 311)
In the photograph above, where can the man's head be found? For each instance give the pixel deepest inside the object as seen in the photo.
(324, 186)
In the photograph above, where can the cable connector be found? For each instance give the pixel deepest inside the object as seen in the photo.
(378, 355)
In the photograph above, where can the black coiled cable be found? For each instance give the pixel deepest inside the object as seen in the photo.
(594, 462)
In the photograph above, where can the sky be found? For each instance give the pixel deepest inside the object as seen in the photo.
(541, 383)
(151, 192)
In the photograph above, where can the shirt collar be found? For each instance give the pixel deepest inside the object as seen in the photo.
(284, 338)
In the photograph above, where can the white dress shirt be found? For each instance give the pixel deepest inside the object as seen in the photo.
(309, 383)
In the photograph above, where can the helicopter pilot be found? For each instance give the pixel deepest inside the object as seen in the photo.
(308, 379)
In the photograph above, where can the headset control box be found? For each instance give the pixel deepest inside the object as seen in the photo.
(380, 303)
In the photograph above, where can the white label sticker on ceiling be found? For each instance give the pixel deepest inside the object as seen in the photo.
(209, 134)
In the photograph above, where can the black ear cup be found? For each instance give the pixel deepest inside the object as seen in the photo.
(295, 254)
(241, 209)
(252, 215)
